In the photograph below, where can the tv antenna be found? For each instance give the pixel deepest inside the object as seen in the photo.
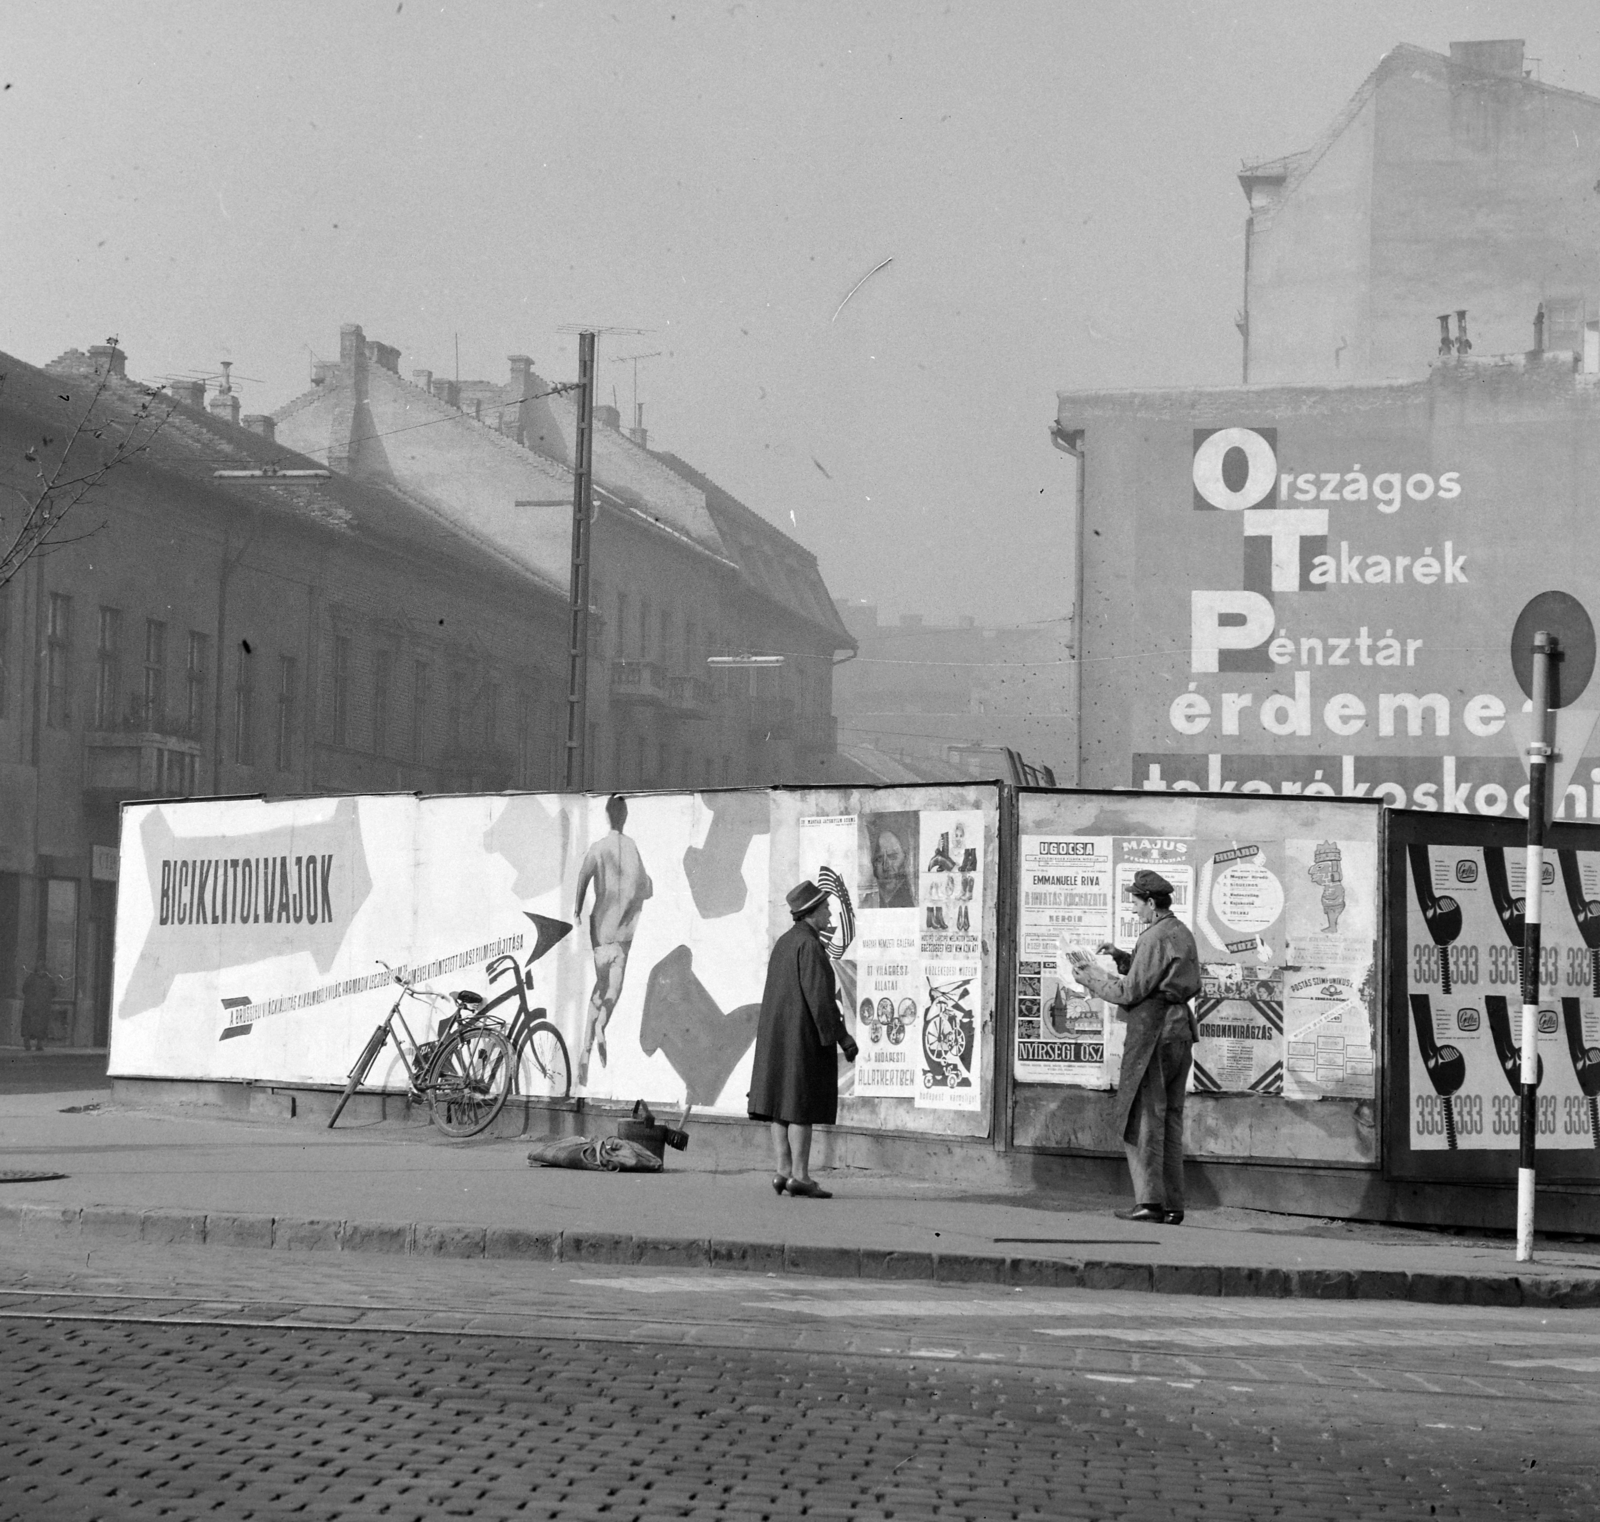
(633, 359)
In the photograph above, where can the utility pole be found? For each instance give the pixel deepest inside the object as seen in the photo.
(582, 514)
(1544, 647)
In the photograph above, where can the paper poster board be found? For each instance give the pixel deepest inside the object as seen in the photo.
(1458, 903)
(252, 935)
(1269, 888)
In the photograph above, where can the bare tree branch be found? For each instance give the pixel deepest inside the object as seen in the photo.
(49, 503)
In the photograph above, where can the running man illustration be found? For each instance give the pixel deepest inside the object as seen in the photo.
(621, 885)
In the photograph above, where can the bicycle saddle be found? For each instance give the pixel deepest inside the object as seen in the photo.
(467, 999)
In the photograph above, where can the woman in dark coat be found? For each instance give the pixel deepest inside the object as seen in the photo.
(795, 1081)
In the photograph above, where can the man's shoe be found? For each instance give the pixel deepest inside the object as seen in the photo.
(1173, 1218)
(1151, 1213)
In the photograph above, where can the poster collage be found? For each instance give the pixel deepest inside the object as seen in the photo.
(911, 975)
(1466, 912)
(1287, 932)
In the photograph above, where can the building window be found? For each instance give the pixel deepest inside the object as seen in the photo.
(341, 688)
(419, 707)
(61, 935)
(107, 675)
(382, 681)
(244, 706)
(452, 709)
(5, 679)
(155, 674)
(194, 711)
(58, 662)
(288, 686)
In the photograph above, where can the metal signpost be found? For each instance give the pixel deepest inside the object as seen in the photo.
(582, 514)
(1544, 647)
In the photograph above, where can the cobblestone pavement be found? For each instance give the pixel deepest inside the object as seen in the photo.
(155, 1382)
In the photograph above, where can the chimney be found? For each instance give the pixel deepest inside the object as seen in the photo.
(224, 403)
(192, 393)
(1503, 57)
(521, 375)
(422, 379)
(260, 422)
(638, 433)
(111, 357)
(321, 369)
(384, 356)
(448, 392)
(352, 346)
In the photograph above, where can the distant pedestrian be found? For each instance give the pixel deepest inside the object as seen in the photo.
(38, 996)
(795, 1081)
(1153, 987)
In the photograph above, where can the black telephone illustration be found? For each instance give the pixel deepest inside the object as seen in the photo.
(1507, 1050)
(1446, 1067)
(1441, 914)
(1586, 912)
(1512, 911)
(1585, 1060)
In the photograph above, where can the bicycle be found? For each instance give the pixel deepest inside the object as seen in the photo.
(464, 1074)
(531, 1033)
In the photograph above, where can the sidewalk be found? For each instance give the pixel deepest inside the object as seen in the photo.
(194, 1177)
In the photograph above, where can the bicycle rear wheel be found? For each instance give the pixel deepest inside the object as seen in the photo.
(545, 1071)
(470, 1082)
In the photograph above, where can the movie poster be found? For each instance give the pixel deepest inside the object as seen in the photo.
(1240, 1014)
(1065, 896)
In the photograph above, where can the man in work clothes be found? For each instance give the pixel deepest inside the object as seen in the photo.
(621, 885)
(1153, 988)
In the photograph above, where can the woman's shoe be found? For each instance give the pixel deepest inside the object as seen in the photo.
(779, 1180)
(809, 1188)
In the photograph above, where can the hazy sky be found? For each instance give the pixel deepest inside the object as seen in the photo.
(1055, 183)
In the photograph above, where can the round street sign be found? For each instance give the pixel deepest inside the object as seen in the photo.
(1560, 614)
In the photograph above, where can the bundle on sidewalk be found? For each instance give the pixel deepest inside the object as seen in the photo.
(640, 1146)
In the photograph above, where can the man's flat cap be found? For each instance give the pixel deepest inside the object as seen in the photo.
(1146, 884)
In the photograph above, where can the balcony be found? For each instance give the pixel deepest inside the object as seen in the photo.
(120, 765)
(642, 682)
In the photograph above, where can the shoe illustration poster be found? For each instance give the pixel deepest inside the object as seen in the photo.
(1465, 921)
(951, 909)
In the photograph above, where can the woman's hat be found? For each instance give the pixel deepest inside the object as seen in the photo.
(804, 898)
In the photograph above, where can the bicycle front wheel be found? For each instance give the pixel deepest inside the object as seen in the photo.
(470, 1081)
(545, 1071)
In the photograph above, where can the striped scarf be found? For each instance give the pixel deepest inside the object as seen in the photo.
(845, 931)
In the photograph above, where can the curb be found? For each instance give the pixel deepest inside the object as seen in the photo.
(445, 1240)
